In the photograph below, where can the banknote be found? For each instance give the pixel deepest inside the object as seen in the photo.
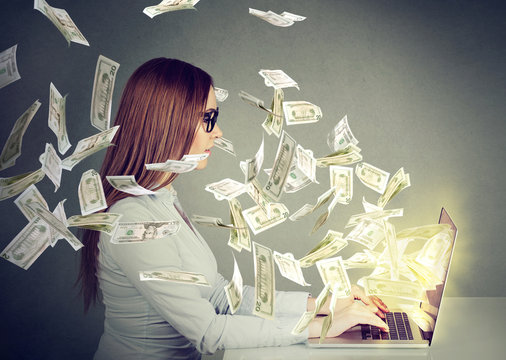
(128, 184)
(308, 208)
(423, 232)
(272, 18)
(322, 219)
(308, 316)
(30, 195)
(253, 100)
(51, 166)
(332, 271)
(379, 272)
(267, 124)
(14, 185)
(61, 19)
(57, 119)
(368, 233)
(139, 232)
(182, 277)
(397, 183)
(347, 156)
(59, 213)
(374, 215)
(169, 5)
(306, 162)
(372, 177)
(233, 290)
(402, 289)
(420, 317)
(295, 180)
(435, 250)
(258, 220)
(264, 282)
(8, 66)
(221, 94)
(273, 124)
(290, 268)
(226, 189)
(104, 222)
(175, 166)
(341, 136)
(211, 221)
(360, 260)
(225, 145)
(277, 79)
(12, 148)
(101, 97)
(341, 177)
(391, 244)
(241, 227)
(426, 277)
(88, 146)
(195, 157)
(284, 155)
(58, 226)
(368, 207)
(293, 17)
(91, 193)
(28, 245)
(329, 319)
(258, 195)
(301, 112)
(331, 244)
(254, 164)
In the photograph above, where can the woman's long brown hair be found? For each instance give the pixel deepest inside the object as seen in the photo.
(159, 112)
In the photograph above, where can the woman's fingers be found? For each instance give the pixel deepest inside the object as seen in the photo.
(379, 303)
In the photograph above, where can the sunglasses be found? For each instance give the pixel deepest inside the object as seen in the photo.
(210, 118)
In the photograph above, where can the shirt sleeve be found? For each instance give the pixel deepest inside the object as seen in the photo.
(183, 305)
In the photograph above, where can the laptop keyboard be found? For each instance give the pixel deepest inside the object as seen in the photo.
(398, 324)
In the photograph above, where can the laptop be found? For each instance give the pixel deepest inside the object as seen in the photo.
(404, 332)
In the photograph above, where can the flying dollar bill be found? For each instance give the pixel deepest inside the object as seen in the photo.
(211, 221)
(30, 195)
(329, 319)
(284, 156)
(341, 136)
(252, 100)
(128, 184)
(308, 316)
(306, 162)
(233, 290)
(226, 189)
(295, 180)
(368, 207)
(139, 232)
(332, 271)
(12, 148)
(258, 220)
(169, 5)
(57, 119)
(225, 145)
(61, 19)
(290, 268)
(254, 165)
(273, 123)
(8, 66)
(293, 17)
(308, 208)
(368, 233)
(278, 79)
(221, 94)
(391, 244)
(175, 166)
(374, 215)
(104, 222)
(331, 244)
(258, 195)
(101, 98)
(52, 165)
(360, 260)
(372, 177)
(401, 289)
(182, 277)
(59, 213)
(14, 185)
(397, 183)
(324, 217)
(301, 112)
(241, 231)
(347, 156)
(341, 178)
(435, 251)
(264, 282)
(423, 232)
(91, 193)
(272, 18)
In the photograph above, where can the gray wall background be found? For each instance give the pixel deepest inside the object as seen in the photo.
(422, 83)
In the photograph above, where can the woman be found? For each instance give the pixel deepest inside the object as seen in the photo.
(168, 109)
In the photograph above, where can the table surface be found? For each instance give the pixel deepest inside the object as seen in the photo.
(467, 328)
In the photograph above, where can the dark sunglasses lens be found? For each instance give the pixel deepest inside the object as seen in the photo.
(210, 119)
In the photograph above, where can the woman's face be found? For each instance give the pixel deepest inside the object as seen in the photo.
(204, 141)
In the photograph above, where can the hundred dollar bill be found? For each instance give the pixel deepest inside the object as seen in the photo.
(347, 156)
(221, 95)
(139, 232)
(374, 215)
(272, 18)
(277, 79)
(61, 19)
(290, 268)
(175, 166)
(360, 260)
(332, 271)
(88, 146)
(233, 290)
(254, 165)
(308, 208)
(226, 189)
(91, 193)
(127, 184)
(341, 178)
(51, 166)
(423, 232)
(182, 277)
(14, 185)
(341, 136)
(397, 183)
(225, 145)
(12, 148)
(372, 177)
(101, 98)
(8, 66)
(211, 221)
(331, 244)
(281, 167)
(308, 316)
(30, 195)
(301, 112)
(57, 119)
(28, 245)
(169, 5)
(241, 231)
(306, 162)
(258, 220)
(368, 233)
(293, 17)
(401, 289)
(324, 217)
(295, 180)
(264, 282)
(273, 123)
(104, 222)
(252, 100)
(58, 226)
(391, 243)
